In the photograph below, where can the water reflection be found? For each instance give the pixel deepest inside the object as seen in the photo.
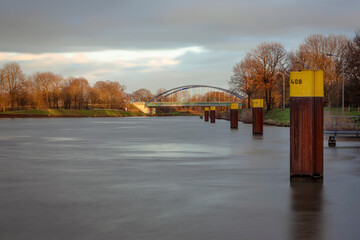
(306, 208)
(258, 136)
(168, 178)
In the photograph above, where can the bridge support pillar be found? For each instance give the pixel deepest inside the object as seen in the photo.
(306, 126)
(212, 114)
(234, 115)
(206, 114)
(258, 116)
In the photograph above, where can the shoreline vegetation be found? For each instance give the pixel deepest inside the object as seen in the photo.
(275, 117)
(75, 113)
(280, 117)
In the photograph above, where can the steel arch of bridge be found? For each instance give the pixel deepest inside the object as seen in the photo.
(167, 93)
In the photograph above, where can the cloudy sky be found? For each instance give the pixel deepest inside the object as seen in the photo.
(159, 43)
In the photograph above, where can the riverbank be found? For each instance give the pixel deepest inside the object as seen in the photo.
(277, 117)
(74, 113)
(281, 117)
(44, 113)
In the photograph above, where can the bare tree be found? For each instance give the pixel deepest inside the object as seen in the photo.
(35, 91)
(25, 94)
(2, 93)
(55, 90)
(75, 93)
(94, 96)
(112, 94)
(142, 95)
(244, 79)
(352, 71)
(12, 75)
(313, 53)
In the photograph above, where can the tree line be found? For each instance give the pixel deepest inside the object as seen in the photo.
(43, 90)
(261, 73)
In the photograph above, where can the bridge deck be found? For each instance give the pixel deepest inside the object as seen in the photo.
(189, 104)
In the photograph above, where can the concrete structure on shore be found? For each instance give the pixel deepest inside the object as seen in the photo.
(142, 108)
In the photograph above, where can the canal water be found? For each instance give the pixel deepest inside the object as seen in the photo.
(167, 178)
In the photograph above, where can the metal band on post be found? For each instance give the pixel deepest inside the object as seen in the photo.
(306, 125)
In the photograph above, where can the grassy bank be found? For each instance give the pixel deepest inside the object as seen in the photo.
(277, 116)
(281, 117)
(338, 112)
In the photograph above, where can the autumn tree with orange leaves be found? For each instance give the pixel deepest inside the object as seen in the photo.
(243, 79)
(256, 74)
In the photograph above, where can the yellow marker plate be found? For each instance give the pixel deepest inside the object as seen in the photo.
(212, 108)
(307, 84)
(257, 103)
(206, 108)
(234, 106)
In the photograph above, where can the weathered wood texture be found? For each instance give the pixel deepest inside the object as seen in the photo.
(212, 116)
(206, 116)
(258, 116)
(319, 136)
(234, 118)
(306, 138)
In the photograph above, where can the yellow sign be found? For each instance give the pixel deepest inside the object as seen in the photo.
(257, 103)
(212, 108)
(206, 108)
(307, 84)
(234, 106)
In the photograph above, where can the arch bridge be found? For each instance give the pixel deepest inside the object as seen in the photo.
(195, 96)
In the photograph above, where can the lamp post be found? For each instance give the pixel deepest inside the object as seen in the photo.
(342, 84)
(283, 76)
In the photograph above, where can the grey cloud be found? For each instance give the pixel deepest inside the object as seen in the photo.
(227, 29)
(58, 26)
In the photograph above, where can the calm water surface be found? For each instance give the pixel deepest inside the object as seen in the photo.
(167, 178)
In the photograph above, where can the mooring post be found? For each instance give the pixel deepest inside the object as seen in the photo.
(206, 114)
(257, 115)
(234, 115)
(306, 126)
(212, 114)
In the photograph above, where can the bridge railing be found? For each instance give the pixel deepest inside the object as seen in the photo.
(339, 125)
(177, 90)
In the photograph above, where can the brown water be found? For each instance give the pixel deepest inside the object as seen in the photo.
(167, 178)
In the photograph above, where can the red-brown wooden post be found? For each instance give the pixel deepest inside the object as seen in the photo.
(234, 115)
(212, 114)
(306, 126)
(257, 115)
(206, 114)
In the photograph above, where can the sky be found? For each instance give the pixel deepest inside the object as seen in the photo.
(159, 43)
